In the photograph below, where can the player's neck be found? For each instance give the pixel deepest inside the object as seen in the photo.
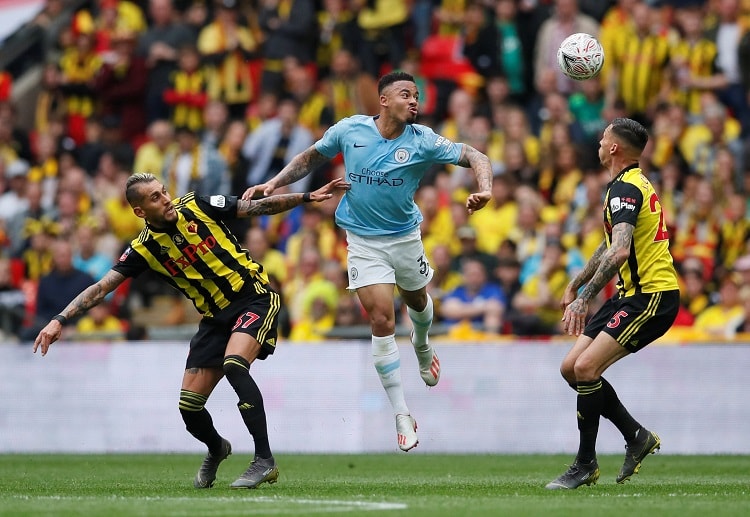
(617, 166)
(389, 128)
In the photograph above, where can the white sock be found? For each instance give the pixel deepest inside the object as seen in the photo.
(421, 322)
(387, 363)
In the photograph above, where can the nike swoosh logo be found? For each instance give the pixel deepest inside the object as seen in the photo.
(357, 145)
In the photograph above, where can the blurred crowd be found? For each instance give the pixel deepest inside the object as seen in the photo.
(216, 95)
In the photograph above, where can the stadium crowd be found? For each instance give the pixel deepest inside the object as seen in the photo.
(217, 95)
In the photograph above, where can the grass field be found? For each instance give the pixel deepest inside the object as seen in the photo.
(389, 484)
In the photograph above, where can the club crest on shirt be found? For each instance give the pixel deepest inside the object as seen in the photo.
(192, 227)
(401, 155)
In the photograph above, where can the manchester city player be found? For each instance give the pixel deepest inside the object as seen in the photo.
(385, 157)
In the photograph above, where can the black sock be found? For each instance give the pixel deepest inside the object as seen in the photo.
(198, 421)
(237, 371)
(613, 410)
(590, 401)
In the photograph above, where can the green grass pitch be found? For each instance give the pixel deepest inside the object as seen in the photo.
(377, 484)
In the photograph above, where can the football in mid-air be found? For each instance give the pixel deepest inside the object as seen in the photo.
(580, 56)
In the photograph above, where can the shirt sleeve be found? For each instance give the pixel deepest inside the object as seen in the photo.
(218, 207)
(329, 144)
(130, 264)
(625, 202)
(441, 149)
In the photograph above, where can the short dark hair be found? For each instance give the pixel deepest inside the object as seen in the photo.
(132, 194)
(392, 77)
(632, 133)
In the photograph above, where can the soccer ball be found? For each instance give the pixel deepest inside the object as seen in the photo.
(580, 56)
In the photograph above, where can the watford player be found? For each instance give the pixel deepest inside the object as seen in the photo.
(186, 242)
(636, 247)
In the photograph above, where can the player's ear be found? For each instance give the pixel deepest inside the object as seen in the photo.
(138, 211)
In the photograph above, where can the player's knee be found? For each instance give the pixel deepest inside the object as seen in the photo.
(235, 366)
(584, 369)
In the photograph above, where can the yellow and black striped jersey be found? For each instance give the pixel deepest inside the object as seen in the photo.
(641, 63)
(700, 60)
(631, 199)
(198, 256)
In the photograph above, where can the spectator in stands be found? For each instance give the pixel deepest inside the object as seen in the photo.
(194, 166)
(515, 49)
(722, 319)
(13, 201)
(230, 149)
(727, 35)
(445, 280)
(477, 300)
(99, 324)
(315, 114)
(469, 250)
(274, 262)
(348, 89)
(537, 305)
(226, 44)
(274, 143)
(57, 287)
(150, 156)
(159, 45)
(186, 93)
(12, 301)
(79, 65)
(86, 256)
(479, 39)
(337, 29)
(566, 19)
(289, 29)
(698, 228)
(383, 25)
(493, 224)
(215, 121)
(643, 54)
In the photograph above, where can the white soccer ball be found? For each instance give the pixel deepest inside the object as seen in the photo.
(580, 56)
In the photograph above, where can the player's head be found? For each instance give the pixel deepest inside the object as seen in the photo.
(399, 96)
(150, 199)
(625, 138)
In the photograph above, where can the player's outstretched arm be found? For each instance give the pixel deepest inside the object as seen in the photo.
(89, 297)
(283, 202)
(300, 166)
(482, 168)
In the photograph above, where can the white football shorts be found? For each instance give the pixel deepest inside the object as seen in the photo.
(388, 260)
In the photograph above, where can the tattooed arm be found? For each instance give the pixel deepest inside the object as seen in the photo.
(607, 265)
(482, 168)
(89, 297)
(283, 202)
(300, 166)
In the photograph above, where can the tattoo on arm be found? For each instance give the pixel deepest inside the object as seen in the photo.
(268, 205)
(611, 260)
(481, 165)
(591, 266)
(93, 294)
(300, 166)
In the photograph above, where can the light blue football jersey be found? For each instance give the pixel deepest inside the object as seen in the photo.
(384, 174)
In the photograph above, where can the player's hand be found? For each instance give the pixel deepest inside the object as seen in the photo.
(47, 336)
(477, 200)
(261, 189)
(569, 295)
(574, 318)
(327, 190)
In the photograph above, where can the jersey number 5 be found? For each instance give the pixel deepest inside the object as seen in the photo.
(661, 232)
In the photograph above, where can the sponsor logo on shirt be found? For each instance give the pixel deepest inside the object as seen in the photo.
(621, 203)
(372, 177)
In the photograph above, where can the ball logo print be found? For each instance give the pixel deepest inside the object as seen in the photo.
(580, 56)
